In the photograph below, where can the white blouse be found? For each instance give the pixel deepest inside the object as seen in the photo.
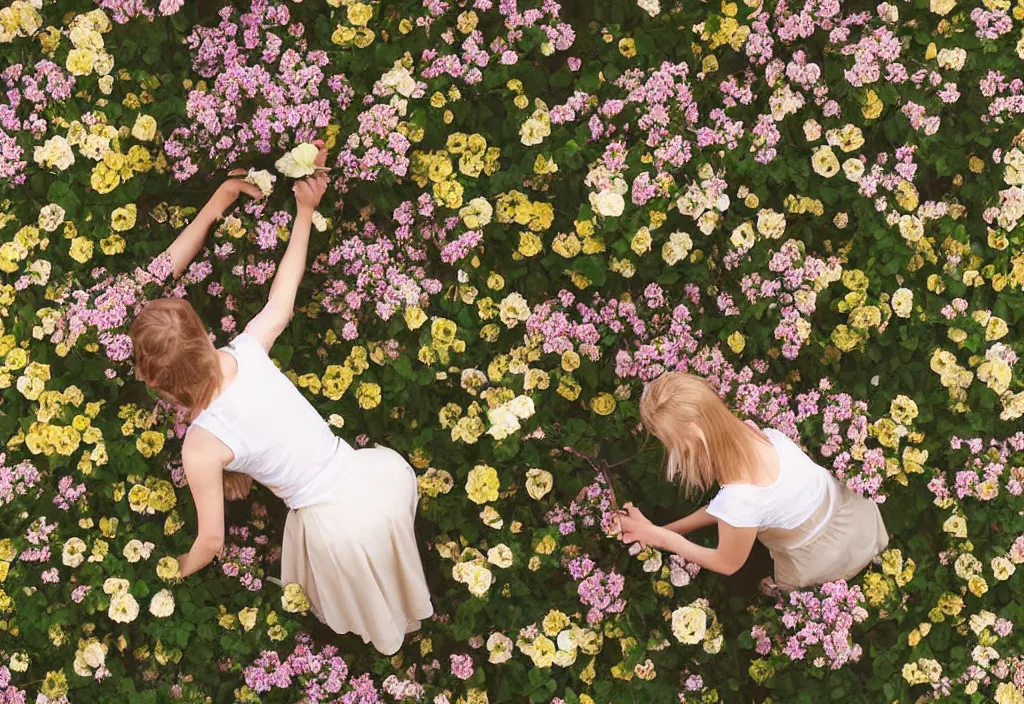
(276, 435)
(796, 494)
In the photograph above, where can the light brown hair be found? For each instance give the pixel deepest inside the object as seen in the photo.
(704, 441)
(174, 355)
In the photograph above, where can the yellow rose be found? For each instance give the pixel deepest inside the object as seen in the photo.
(81, 250)
(737, 342)
(482, 484)
(415, 317)
(538, 483)
(80, 62)
(368, 395)
(603, 404)
(530, 244)
(144, 128)
(123, 219)
(359, 14)
(167, 569)
(294, 599)
(150, 443)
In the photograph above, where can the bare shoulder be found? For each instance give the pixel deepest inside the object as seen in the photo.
(201, 447)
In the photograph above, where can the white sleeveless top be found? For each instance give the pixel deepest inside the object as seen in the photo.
(792, 499)
(276, 435)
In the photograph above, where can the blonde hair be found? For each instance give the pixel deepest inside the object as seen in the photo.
(173, 353)
(704, 441)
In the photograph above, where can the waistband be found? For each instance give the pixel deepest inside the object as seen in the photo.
(795, 538)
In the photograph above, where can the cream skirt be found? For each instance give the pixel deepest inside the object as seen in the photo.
(355, 554)
(842, 538)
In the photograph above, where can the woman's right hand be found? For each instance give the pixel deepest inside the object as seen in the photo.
(308, 192)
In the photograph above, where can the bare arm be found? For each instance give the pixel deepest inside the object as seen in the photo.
(203, 459)
(695, 521)
(734, 544)
(277, 313)
(189, 243)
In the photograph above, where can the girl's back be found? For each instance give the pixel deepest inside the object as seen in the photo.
(275, 434)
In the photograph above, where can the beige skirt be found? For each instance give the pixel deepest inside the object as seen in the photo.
(355, 554)
(843, 537)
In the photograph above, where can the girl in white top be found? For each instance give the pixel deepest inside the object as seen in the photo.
(349, 537)
(816, 529)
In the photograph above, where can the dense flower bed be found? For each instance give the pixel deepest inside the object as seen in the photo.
(535, 207)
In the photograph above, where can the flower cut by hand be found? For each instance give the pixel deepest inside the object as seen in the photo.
(299, 162)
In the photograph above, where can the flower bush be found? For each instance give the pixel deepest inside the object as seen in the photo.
(536, 206)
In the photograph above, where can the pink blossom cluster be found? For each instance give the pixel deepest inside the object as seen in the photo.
(266, 89)
(320, 675)
(16, 480)
(248, 551)
(517, 33)
(23, 105)
(984, 469)
(379, 272)
(123, 11)
(816, 626)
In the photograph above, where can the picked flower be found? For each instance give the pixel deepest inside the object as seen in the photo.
(262, 179)
(300, 161)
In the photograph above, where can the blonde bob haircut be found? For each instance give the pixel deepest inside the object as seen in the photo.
(174, 355)
(705, 443)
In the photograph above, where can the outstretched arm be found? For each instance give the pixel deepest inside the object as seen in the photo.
(277, 313)
(734, 544)
(187, 246)
(695, 521)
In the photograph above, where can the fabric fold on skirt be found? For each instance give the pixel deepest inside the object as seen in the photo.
(356, 554)
(840, 539)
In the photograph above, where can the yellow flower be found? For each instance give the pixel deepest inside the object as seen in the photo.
(603, 404)
(368, 395)
(530, 244)
(167, 569)
(977, 585)
(81, 250)
(903, 410)
(123, 219)
(294, 599)
(627, 47)
(80, 62)
(482, 484)
(538, 483)
(737, 342)
(144, 128)
(150, 443)
(113, 245)
(359, 14)
(824, 162)
(442, 331)
(554, 623)
(415, 317)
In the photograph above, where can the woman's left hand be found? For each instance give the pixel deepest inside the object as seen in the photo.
(634, 526)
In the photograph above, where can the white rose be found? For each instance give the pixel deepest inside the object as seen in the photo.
(162, 604)
(538, 483)
(522, 406)
(500, 648)
(73, 554)
(123, 608)
(503, 423)
(500, 556)
(480, 580)
(689, 624)
(319, 222)
(608, 203)
(299, 162)
(262, 179)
